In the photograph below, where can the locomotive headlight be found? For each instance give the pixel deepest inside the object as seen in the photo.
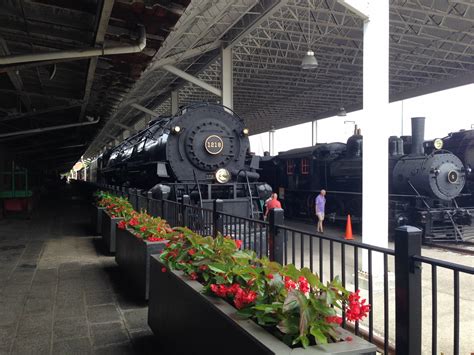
(176, 129)
(245, 131)
(438, 143)
(222, 175)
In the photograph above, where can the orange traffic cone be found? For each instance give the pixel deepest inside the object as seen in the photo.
(349, 228)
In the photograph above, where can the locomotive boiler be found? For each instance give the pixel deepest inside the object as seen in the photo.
(461, 144)
(202, 152)
(423, 187)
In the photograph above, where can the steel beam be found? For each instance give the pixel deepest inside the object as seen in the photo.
(128, 128)
(14, 77)
(193, 80)
(42, 96)
(253, 19)
(174, 102)
(46, 129)
(144, 109)
(38, 112)
(104, 16)
(190, 53)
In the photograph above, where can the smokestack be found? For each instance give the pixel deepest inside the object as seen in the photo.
(417, 135)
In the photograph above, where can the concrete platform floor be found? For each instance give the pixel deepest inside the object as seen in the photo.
(59, 294)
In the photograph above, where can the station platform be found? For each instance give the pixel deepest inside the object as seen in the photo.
(58, 293)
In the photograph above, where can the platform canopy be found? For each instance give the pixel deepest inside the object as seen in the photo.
(431, 49)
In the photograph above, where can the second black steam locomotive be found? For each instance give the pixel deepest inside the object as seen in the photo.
(423, 187)
(202, 151)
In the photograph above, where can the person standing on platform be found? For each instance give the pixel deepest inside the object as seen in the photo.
(273, 203)
(320, 204)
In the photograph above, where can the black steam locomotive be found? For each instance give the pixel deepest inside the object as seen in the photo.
(423, 187)
(202, 152)
(461, 144)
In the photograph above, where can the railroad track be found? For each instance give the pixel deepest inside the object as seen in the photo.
(466, 248)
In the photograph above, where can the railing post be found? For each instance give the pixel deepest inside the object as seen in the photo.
(163, 209)
(407, 290)
(217, 220)
(149, 196)
(184, 210)
(139, 195)
(275, 236)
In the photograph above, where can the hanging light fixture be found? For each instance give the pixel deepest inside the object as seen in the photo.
(342, 112)
(309, 60)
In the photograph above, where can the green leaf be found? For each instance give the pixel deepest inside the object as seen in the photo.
(318, 335)
(292, 271)
(219, 268)
(304, 340)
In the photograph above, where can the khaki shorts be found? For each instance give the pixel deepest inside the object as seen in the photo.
(320, 216)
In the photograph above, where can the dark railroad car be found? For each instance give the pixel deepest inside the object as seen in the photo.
(424, 187)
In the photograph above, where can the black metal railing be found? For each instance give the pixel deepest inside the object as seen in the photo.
(457, 271)
(391, 280)
(330, 257)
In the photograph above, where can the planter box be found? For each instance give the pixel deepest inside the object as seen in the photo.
(133, 257)
(108, 232)
(188, 322)
(97, 219)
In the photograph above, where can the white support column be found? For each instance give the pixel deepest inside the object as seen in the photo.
(375, 14)
(271, 141)
(227, 78)
(375, 153)
(174, 102)
(314, 132)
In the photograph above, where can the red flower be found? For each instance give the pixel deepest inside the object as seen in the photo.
(133, 222)
(155, 239)
(356, 310)
(303, 284)
(243, 298)
(143, 229)
(232, 290)
(348, 338)
(193, 276)
(238, 243)
(270, 276)
(219, 290)
(334, 319)
(191, 252)
(122, 224)
(163, 269)
(289, 283)
(203, 267)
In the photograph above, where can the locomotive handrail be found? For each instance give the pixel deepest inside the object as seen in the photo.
(198, 187)
(413, 187)
(250, 191)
